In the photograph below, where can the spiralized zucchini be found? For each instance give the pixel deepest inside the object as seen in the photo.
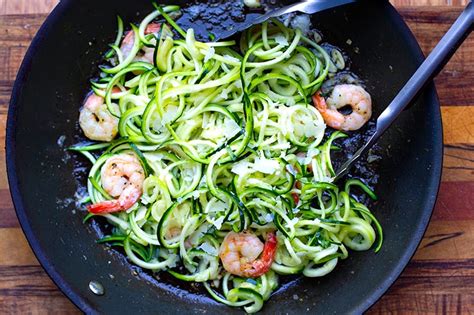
(229, 142)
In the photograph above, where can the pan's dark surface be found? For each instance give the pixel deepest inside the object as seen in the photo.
(44, 106)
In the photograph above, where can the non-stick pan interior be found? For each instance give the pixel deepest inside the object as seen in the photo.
(44, 109)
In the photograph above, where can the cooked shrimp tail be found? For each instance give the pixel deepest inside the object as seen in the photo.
(332, 118)
(126, 201)
(263, 265)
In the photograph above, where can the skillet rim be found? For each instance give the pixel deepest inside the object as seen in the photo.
(79, 301)
(10, 148)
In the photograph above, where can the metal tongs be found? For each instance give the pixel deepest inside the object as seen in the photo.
(432, 65)
(308, 7)
(438, 58)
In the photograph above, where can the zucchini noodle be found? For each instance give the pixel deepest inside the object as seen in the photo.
(228, 141)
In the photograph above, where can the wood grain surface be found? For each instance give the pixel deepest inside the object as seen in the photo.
(440, 277)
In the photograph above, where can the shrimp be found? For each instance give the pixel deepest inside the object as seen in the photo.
(127, 44)
(342, 95)
(122, 176)
(239, 254)
(96, 121)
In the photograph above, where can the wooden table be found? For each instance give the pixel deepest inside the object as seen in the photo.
(439, 279)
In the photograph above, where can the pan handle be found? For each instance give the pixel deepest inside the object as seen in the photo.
(432, 65)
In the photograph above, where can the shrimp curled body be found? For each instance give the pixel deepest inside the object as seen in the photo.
(96, 121)
(342, 95)
(239, 254)
(146, 54)
(122, 176)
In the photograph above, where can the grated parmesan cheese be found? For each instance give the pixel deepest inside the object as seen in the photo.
(293, 221)
(169, 114)
(241, 168)
(218, 223)
(188, 175)
(266, 166)
(281, 40)
(302, 22)
(312, 130)
(141, 212)
(282, 146)
(291, 169)
(196, 194)
(231, 128)
(224, 94)
(301, 158)
(202, 182)
(261, 184)
(252, 3)
(268, 217)
(219, 206)
(208, 249)
(238, 84)
(209, 54)
(312, 152)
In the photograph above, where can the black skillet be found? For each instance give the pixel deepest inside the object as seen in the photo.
(48, 92)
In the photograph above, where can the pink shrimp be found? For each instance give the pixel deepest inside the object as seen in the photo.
(239, 254)
(122, 176)
(342, 95)
(96, 121)
(127, 43)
